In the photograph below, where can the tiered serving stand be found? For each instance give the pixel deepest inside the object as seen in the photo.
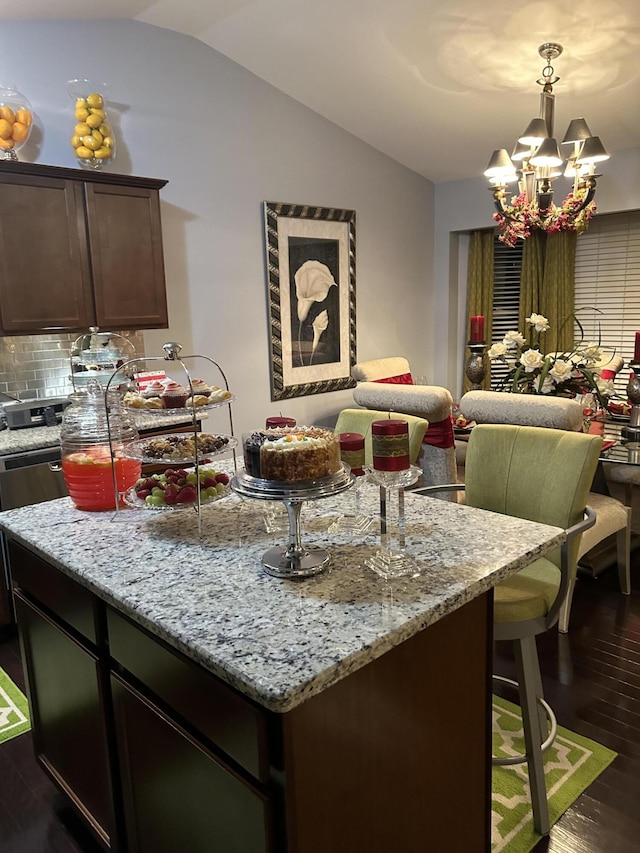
(294, 560)
(136, 450)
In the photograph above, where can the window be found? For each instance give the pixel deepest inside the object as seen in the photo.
(608, 279)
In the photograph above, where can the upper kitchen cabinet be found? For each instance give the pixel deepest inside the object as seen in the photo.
(79, 249)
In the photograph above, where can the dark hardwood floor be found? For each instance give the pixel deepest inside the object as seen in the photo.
(592, 679)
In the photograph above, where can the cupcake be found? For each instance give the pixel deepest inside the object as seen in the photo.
(153, 389)
(200, 387)
(174, 396)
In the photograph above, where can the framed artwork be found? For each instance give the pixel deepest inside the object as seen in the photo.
(311, 285)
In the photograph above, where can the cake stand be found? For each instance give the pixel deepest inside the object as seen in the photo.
(294, 561)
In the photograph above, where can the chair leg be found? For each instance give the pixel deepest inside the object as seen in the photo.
(565, 609)
(530, 682)
(623, 555)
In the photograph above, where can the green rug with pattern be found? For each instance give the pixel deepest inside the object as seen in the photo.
(571, 765)
(14, 709)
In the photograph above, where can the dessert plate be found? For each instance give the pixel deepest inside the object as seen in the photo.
(179, 448)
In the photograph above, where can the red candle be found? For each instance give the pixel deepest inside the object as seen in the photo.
(280, 422)
(477, 330)
(636, 353)
(390, 445)
(352, 451)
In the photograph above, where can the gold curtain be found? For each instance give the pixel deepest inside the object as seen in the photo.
(547, 286)
(480, 288)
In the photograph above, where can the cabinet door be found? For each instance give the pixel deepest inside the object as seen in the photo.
(177, 795)
(125, 240)
(44, 270)
(67, 717)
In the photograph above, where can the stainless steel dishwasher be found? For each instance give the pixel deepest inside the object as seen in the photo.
(28, 477)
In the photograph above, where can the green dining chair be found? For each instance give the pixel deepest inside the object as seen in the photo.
(543, 475)
(360, 420)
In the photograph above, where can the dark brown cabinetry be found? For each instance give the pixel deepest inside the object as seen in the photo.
(79, 249)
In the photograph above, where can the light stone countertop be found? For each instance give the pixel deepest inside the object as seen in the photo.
(37, 438)
(277, 641)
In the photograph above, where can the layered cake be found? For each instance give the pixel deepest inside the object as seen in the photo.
(293, 454)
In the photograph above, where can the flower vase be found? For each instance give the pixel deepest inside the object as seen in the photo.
(93, 140)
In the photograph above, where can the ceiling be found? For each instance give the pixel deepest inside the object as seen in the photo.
(435, 85)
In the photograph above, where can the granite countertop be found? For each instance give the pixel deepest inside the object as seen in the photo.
(277, 641)
(36, 438)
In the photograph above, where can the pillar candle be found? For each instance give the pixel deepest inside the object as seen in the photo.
(477, 329)
(636, 353)
(390, 445)
(352, 451)
(280, 422)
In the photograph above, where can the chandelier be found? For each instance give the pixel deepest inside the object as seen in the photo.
(540, 163)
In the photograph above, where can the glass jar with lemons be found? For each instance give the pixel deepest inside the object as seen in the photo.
(16, 119)
(93, 141)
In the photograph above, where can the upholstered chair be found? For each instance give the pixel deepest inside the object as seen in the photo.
(543, 475)
(360, 420)
(387, 384)
(612, 516)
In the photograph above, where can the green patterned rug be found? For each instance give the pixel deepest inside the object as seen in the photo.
(14, 709)
(571, 765)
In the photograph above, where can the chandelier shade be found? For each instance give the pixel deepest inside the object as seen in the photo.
(536, 162)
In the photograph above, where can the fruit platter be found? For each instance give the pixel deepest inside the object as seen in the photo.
(177, 488)
(179, 448)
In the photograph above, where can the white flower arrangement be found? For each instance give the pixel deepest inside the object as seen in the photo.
(567, 374)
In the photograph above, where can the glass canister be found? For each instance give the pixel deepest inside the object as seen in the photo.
(93, 140)
(16, 120)
(88, 457)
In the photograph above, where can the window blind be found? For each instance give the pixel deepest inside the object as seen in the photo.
(607, 294)
(507, 263)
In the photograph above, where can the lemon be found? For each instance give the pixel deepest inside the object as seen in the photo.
(104, 129)
(102, 153)
(109, 142)
(19, 131)
(24, 116)
(76, 141)
(82, 114)
(93, 121)
(6, 144)
(5, 129)
(82, 129)
(90, 142)
(97, 136)
(98, 112)
(81, 103)
(8, 114)
(95, 100)
(84, 153)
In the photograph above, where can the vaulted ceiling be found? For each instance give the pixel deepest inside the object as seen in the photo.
(435, 85)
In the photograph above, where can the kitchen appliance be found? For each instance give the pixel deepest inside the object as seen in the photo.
(28, 477)
(45, 411)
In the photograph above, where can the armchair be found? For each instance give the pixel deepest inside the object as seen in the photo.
(386, 384)
(612, 516)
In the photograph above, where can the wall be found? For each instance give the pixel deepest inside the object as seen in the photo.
(461, 206)
(226, 141)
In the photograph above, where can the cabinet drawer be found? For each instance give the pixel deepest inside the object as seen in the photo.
(234, 724)
(66, 599)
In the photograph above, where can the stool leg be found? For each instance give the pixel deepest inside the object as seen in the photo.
(623, 554)
(565, 609)
(528, 675)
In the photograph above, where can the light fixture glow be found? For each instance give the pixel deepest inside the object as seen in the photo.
(539, 163)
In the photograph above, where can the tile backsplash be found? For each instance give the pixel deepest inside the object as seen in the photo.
(38, 365)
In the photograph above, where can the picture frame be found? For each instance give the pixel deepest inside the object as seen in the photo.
(311, 287)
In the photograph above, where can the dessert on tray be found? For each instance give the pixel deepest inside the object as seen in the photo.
(292, 454)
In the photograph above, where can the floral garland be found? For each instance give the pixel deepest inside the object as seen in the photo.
(522, 217)
(566, 374)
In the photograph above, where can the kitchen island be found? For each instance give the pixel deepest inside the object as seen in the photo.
(185, 700)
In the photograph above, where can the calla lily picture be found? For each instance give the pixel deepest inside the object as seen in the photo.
(311, 290)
